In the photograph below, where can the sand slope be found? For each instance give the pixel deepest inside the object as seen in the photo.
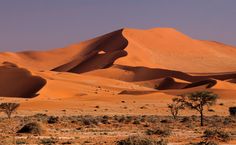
(18, 82)
(152, 64)
(164, 48)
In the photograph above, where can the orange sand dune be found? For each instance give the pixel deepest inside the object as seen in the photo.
(18, 82)
(117, 65)
(155, 48)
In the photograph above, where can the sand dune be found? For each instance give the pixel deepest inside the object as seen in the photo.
(18, 82)
(155, 62)
(164, 48)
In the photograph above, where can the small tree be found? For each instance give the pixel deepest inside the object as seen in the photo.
(8, 108)
(175, 107)
(198, 100)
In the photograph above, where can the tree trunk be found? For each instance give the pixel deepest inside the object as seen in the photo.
(201, 118)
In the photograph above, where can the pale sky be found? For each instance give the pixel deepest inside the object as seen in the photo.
(45, 24)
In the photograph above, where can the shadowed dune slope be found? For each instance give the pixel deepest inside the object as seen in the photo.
(136, 74)
(89, 55)
(18, 82)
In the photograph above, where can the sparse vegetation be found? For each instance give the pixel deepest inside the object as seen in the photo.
(164, 132)
(175, 107)
(9, 108)
(198, 100)
(203, 143)
(48, 141)
(53, 119)
(216, 134)
(138, 140)
(80, 129)
(32, 128)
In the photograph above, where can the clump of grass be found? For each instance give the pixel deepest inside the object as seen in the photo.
(216, 134)
(105, 119)
(89, 120)
(48, 141)
(186, 120)
(164, 132)
(136, 121)
(203, 143)
(53, 119)
(138, 140)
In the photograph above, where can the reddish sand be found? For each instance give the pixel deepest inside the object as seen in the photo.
(142, 67)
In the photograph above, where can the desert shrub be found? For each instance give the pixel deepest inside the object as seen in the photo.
(152, 119)
(136, 121)
(164, 132)
(120, 119)
(143, 118)
(232, 111)
(9, 108)
(138, 140)
(21, 142)
(48, 141)
(67, 142)
(228, 120)
(194, 118)
(41, 117)
(128, 119)
(32, 128)
(53, 119)
(211, 110)
(203, 143)
(165, 121)
(105, 119)
(89, 120)
(216, 135)
(175, 107)
(185, 120)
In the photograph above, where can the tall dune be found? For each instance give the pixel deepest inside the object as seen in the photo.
(164, 48)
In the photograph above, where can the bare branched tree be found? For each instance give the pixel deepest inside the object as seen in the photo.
(175, 107)
(9, 108)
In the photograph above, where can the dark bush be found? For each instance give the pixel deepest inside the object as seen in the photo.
(204, 143)
(161, 132)
(216, 135)
(48, 141)
(137, 140)
(89, 120)
(33, 128)
(232, 111)
(53, 119)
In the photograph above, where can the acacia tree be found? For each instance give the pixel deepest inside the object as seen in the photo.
(175, 107)
(8, 108)
(198, 100)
